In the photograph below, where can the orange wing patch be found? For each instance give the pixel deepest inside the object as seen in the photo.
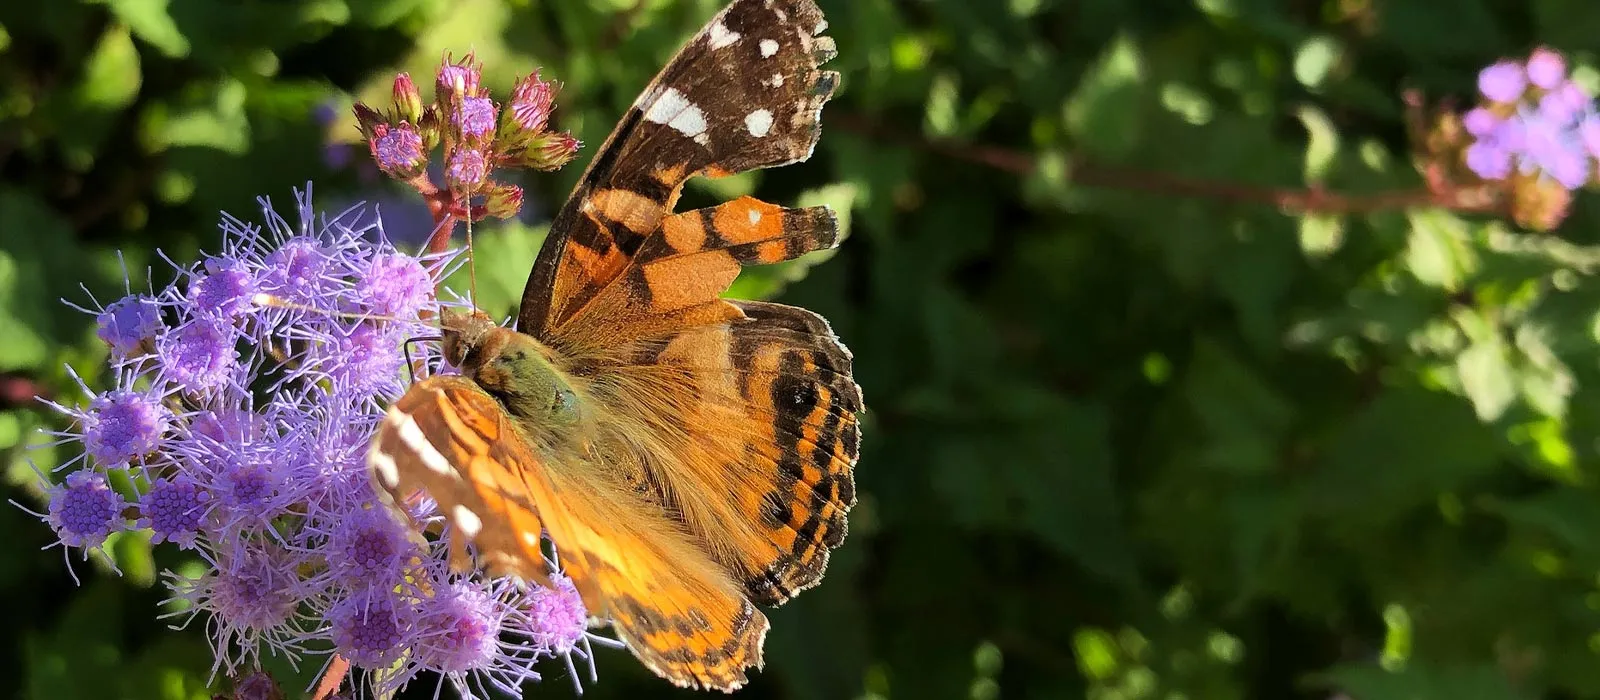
(675, 279)
(679, 613)
(761, 416)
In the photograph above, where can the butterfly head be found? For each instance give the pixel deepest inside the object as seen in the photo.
(513, 367)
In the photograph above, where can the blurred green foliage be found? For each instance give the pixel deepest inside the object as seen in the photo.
(1133, 432)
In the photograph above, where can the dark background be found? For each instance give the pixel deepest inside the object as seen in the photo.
(1134, 430)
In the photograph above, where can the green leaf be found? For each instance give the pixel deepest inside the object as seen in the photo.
(150, 22)
(1438, 249)
(111, 76)
(1103, 114)
(1487, 378)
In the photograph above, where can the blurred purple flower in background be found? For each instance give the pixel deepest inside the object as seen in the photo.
(245, 396)
(1535, 121)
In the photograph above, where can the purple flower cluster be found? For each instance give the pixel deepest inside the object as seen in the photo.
(245, 396)
(1534, 121)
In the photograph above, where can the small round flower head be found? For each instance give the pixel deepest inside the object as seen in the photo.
(531, 102)
(84, 510)
(364, 358)
(1552, 147)
(250, 485)
(299, 271)
(475, 118)
(1546, 69)
(467, 170)
(460, 629)
(252, 595)
(398, 150)
(367, 546)
(174, 510)
(199, 354)
(128, 323)
(394, 285)
(124, 425)
(458, 80)
(225, 288)
(557, 619)
(370, 629)
(1502, 82)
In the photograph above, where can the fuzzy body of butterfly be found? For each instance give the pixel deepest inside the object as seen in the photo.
(689, 457)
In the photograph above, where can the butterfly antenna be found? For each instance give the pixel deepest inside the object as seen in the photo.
(277, 302)
(472, 262)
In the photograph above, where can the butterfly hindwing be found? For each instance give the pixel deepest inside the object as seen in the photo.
(771, 485)
(675, 608)
(744, 93)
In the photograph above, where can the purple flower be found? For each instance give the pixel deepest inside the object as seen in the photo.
(1553, 135)
(395, 285)
(123, 425)
(367, 546)
(460, 629)
(1502, 82)
(262, 472)
(252, 595)
(300, 271)
(200, 354)
(467, 170)
(1546, 69)
(1552, 147)
(399, 150)
(174, 510)
(128, 323)
(225, 289)
(84, 510)
(557, 618)
(475, 117)
(369, 629)
(531, 102)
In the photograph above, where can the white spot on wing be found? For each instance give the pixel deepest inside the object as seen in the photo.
(758, 122)
(768, 48)
(383, 465)
(406, 427)
(468, 521)
(531, 538)
(822, 26)
(755, 216)
(721, 36)
(776, 81)
(676, 111)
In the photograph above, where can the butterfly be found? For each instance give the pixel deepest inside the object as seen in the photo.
(689, 457)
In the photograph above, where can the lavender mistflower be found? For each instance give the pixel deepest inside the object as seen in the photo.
(1534, 122)
(128, 323)
(245, 398)
(84, 510)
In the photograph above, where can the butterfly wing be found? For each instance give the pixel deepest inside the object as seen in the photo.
(751, 407)
(744, 93)
(678, 611)
(772, 439)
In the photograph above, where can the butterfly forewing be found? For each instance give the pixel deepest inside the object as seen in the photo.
(746, 92)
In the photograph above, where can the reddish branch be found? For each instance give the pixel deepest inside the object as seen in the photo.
(1088, 173)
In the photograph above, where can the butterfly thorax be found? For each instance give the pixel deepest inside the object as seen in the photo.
(513, 367)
